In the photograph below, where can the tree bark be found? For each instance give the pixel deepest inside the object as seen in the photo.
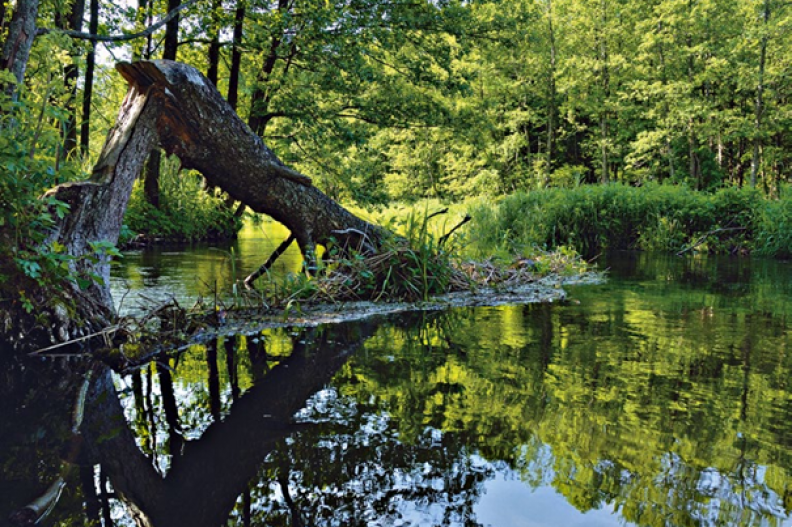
(71, 20)
(756, 156)
(90, 62)
(198, 126)
(174, 105)
(151, 177)
(16, 48)
(236, 55)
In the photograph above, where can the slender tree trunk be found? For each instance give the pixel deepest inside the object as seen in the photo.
(73, 21)
(259, 101)
(16, 48)
(604, 133)
(236, 55)
(213, 380)
(693, 164)
(756, 157)
(212, 71)
(171, 44)
(151, 177)
(90, 62)
(551, 82)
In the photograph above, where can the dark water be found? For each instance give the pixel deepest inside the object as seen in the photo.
(662, 397)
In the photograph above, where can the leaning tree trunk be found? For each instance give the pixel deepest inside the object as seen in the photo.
(173, 105)
(198, 126)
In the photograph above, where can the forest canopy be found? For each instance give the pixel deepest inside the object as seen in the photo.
(383, 101)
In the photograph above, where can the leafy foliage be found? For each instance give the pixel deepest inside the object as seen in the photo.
(185, 212)
(652, 217)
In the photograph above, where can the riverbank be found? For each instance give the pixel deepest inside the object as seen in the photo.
(668, 218)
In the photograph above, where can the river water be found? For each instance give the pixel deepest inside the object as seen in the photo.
(661, 397)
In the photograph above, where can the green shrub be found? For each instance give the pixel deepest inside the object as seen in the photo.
(774, 230)
(185, 213)
(594, 218)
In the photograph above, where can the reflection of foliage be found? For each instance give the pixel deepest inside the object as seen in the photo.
(664, 398)
(349, 468)
(642, 399)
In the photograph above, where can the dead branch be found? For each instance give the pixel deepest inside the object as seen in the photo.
(703, 238)
(447, 235)
(271, 260)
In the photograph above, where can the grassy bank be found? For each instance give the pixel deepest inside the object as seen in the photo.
(591, 219)
(185, 212)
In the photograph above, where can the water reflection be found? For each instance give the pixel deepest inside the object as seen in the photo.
(662, 398)
(149, 276)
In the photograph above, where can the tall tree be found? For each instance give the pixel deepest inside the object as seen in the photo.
(71, 18)
(18, 41)
(236, 54)
(151, 176)
(90, 65)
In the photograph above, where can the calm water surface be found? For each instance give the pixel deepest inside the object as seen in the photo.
(662, 397)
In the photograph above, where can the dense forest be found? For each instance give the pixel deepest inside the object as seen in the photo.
(382, 100)
(386, 102)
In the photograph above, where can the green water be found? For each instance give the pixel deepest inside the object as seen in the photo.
(659, 398)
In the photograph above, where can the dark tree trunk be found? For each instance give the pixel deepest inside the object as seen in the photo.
(212, 72)
(71, 21)
(151, 177)
(90, 62)
(171, 33)
(236, 55)
(174, 105)
(16, 48)
(260, 99)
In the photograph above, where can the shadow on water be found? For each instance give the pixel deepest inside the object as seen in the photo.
(659, 398)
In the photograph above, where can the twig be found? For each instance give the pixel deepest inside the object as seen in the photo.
(439, 212)
(707, 235)
(444, 237)
(104, 332)
(119, 38)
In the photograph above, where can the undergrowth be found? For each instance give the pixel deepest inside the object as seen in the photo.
(416, 264)
(185, 213)
(592, 219)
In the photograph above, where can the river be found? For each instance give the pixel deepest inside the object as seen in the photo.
(661, 397)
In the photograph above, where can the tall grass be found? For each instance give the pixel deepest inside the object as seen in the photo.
(185, 213)
(653, 217)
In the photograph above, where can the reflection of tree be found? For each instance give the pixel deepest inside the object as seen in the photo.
(201, 488)
(664, 404)
(351, 469)
(638, 409)
(36, 442)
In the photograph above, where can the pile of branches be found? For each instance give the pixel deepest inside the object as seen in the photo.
(402, 273)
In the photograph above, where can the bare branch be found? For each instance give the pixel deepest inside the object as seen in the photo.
(119, 38)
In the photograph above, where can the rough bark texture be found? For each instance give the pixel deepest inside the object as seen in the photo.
(16, 48)
(174, 105)
(96, 212)
(199, 127)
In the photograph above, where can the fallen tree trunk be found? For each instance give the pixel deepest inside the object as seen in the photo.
(203, 131)
(172, 105)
